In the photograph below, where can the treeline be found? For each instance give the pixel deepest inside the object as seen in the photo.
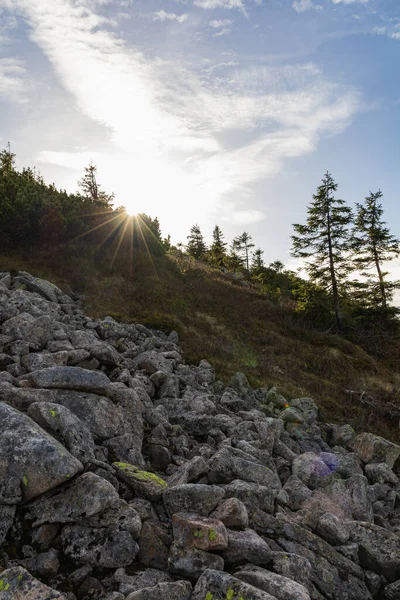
(36, 215)
(344, 252)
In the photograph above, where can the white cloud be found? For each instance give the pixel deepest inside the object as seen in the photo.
(161, 15)
(211, 4)
(303, 5)
(12, 80)
(221, 23)
(178, 133)
(350, 1)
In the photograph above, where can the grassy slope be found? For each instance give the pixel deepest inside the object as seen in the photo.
(236, 329)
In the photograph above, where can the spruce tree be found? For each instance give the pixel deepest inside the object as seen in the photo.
(196, 246)
(217, 251)
(92, 189)
(373, 245)
(243, 244)
(257, 263)
(323, 243)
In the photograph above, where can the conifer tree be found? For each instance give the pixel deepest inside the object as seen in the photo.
(243, 244)
(92, 190)
(257, 263)
(218, 248)
(7, 160)
(373, 244)
(196, 246)
(323, 242)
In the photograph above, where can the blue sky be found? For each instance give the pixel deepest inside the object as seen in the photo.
(207, 111)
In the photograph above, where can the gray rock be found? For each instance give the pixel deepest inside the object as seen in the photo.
(61, 422)
(190, 563)
(372, 448)
(177, 590)
(36, 331)
(344, 463)
(343, 435)
(380, 473)
(18, 584)
(70, 378)
(145, 484)
(44, 565)
(217, 585)
(297, 491)
(46, 289)
(36, 361)
(332, 529)
(233, 513)
(392, 591)
(188, 472)
(379, 549)
(361, 507)
(154, 542)
(140, 580)
(88, 495)
(99, 547)
(310, 469)
(246, 547)
(293, 566)
(277, 585)
(7, 514)
(251, 494)
(10, 491)
(192, 497)
(29, 453)
(120, 516)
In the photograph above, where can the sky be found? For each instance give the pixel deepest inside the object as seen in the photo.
(207, 111)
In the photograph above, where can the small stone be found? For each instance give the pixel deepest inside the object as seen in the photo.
(332, 529)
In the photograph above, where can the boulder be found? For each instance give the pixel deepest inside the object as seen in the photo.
(192, 531)
(18, 584)
(217, 585)
(278, 586)
(246, 547)
(372, 448)
(177, 590)
(99, 547)
(70, 378)
(192, 497)
(378, 549)
(88, 495)
(190, 563)
(32, 455)
(233, 514)
(145, 484)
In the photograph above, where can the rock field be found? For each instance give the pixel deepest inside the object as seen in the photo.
(126, 474)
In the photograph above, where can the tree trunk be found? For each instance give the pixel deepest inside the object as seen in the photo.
(335, 292)
(380, 276)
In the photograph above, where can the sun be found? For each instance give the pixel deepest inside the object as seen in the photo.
(130, 212)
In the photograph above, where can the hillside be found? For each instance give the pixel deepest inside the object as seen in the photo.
(235, 328)
(127, 474)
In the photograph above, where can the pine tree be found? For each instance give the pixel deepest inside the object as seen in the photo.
(243, 244)
(373, 244)
(257, 263)
(92, 190)
(323, 242)
(196, 246)
(217, 252)
(7, 160)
